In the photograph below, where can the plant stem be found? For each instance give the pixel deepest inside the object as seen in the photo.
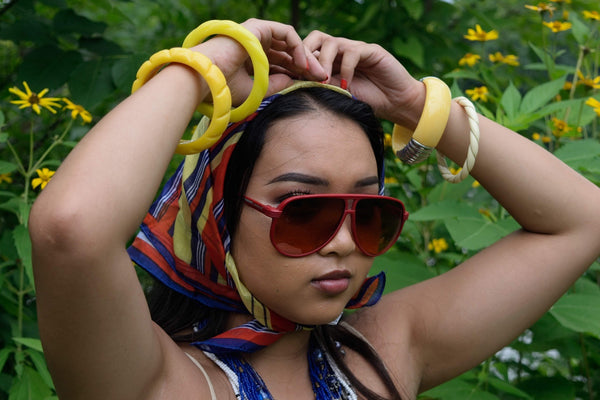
(52, 146)
(17, 158)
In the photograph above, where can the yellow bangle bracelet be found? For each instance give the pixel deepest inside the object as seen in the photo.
(260, 63)
(214, 79)
(412, 147)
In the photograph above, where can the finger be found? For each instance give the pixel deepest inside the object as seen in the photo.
(314, 40)
(348, 64)
(328, 53)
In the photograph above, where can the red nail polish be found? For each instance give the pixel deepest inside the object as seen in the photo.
(307, 67)
(344, 84)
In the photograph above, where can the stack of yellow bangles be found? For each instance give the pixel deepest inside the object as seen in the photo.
(220, 112)
(409, 146)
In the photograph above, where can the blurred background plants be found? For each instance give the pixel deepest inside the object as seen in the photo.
(531, 66)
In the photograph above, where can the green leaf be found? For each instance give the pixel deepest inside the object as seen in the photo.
(444, 210)
(17, 206)
(580, 153)
(540, 95)
(458, 389)
(124, 70)
(580, 30)
(511, 101)
(401, 269)
(411, 49)
(30, 386)
(7, 167)
(4, 354)
(414, 8)
(66, 21)
(579, 312)
(100, 46)
(506, 387)
(23, 245)
(450, 191)
(549, 388)
(91, 83)
(463, 74)
(48, 67)
(474, 233)
(32, 343)
(2, 119)
(40, 365)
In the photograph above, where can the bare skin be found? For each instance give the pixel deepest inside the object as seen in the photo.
(96, 329)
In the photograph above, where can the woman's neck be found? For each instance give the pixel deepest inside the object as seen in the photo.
(282, 365)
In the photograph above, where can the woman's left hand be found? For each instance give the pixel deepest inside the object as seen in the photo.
(372, 74)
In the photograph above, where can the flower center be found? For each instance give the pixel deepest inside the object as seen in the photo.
(33, 99)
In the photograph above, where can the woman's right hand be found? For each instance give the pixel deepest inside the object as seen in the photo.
(287, 55)
(372, 74)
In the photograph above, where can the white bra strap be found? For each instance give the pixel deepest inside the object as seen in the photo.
(213, 395)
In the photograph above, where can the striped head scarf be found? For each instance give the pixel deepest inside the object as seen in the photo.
(183, 242)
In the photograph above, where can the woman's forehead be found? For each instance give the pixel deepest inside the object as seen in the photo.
(318, 144)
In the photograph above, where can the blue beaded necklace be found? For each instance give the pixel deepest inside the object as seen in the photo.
(327, 381)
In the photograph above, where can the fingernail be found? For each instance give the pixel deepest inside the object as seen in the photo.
(344, 84)
(307, 67)
(326, 78)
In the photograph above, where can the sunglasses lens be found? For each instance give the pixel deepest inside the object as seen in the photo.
(378, 224)
(306, 224)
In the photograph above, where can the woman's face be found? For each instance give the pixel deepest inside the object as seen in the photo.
(309, 154)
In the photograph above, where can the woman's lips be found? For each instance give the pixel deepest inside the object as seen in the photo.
(333, 282)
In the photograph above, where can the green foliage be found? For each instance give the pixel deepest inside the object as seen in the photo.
(90, 52)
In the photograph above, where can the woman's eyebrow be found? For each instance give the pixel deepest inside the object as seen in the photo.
(317, 181)
(300, 178)
(371, 180)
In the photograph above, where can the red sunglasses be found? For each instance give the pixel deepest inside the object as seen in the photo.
(303, 225)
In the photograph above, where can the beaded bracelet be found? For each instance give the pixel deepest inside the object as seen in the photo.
(412, 147)
(260, 63)
(214, 79)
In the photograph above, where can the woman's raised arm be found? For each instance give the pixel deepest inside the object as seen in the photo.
(451, 323)
(95, 325)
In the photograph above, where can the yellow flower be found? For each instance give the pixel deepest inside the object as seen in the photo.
(475, 184)
(561, 1)
(477, 93)
(479, 35)
(568, 85)
(595, 104)
(387, 140)
(542, 8)
(469, 59)
(390, 179)
(558, 26)
(44, 176)
(560, 127)
(509, 59)
(591, 15)
(593, 83)
(546, 139)
(438, 245)
(85, 115)
(455, 171)
(536, 136)
(34, 100)
(6, 178)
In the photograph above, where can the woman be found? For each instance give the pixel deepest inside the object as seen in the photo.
(97, 331)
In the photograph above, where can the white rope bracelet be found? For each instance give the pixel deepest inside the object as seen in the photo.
(473, 145)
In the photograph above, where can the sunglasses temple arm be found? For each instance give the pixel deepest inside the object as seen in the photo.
(263, 208)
